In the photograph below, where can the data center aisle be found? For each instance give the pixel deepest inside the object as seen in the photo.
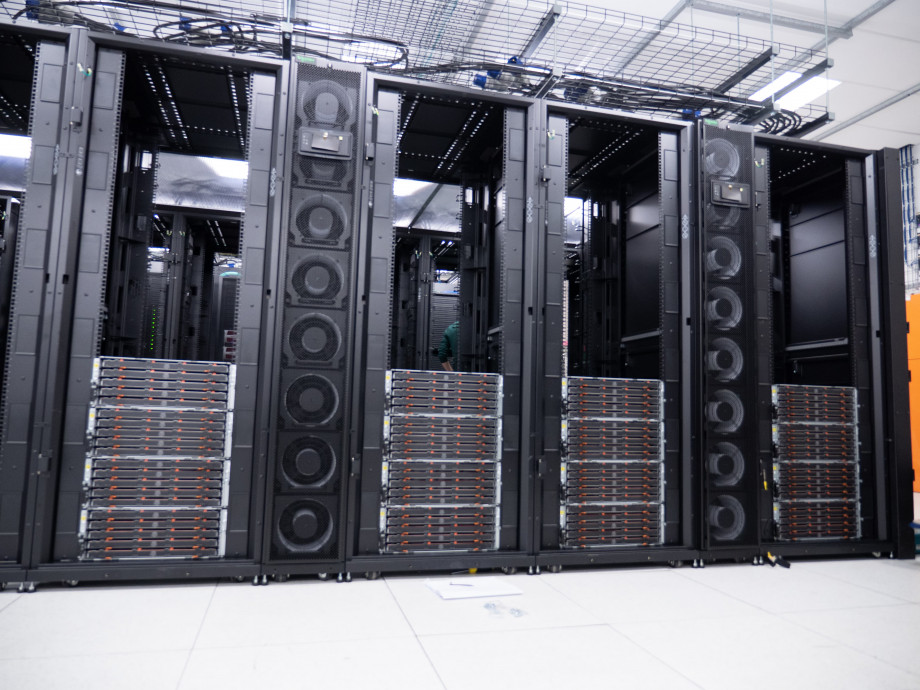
(841, 624)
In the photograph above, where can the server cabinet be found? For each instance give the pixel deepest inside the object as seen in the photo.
(438, 475)
(305, 509)
(615, 481)
(837, 482)
(30, 256)
(156, 466)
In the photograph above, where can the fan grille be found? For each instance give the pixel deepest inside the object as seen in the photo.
(309, 462)
(725, 359)
(321, 218)
(725, 464)
(724, 308)
(725, 411)
(305, 526)
(721, 158)
(327, 104)
(317, 278)
(315, 338)
(311, 399)
(726, 518)
(723, 260)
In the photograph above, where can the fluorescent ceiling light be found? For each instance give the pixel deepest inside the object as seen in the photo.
(781, 82)
(13, 146)
(806, 93)
(406, 187)
(225, 167)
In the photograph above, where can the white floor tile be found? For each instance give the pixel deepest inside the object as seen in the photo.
(588, 657)
(539, 606)
(8, 597)
(398, 663)
(781, 590)
(301, 611)
(95, 620)
(137, 671)
(763, 652)
(644, 594)
(900, 579)
(888, 633)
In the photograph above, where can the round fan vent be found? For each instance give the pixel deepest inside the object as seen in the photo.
(725, 464)
(304, 527)
(721, 158)
(723, 260)
(321, 217)
(726, 518)
(723, 308)
(327, 104)
(315, 338)
(323, 172)
(311, 399)
(725, 359)
(724, 217)
(317, 278)
(309, 462)
(725, 412)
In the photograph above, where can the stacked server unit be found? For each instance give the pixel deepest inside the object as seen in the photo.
(158, 468)
(315, 345)
(816, 464)
(441, 477)
(612, 469)
(737, 339)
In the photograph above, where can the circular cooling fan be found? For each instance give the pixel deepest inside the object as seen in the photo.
(315, 338)
(724, 217)
(317, 278)
(311, 399)
(723, 308)
(721, 158)
(726, 518)
(327, 104)
(308, 462)
(304, 527)
(321, 218)
(723, 259)
(725, 464)
(725, 359)
(323, 172)
(725, 411)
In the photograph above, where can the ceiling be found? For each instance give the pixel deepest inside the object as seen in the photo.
(694, 44)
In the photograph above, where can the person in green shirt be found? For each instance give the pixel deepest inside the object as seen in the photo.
(447, 353)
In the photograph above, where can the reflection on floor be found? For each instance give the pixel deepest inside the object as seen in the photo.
(840, 624)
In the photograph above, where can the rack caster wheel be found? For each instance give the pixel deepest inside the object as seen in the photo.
(373, 575)
(676, 564)
(322, 576)
(555, 568)
(239, 578)
(876, 554)
(344, 577)
(509, 570)
(2, 586)
(281, 578)
(26, 587)
(71, 583)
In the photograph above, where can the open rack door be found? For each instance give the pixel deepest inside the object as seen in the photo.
(614, 480)
(40, 66)
(157, 392)
(438, 485)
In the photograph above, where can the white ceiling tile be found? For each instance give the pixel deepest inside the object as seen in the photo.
(901, 18)
(870, 138)
(877, 60)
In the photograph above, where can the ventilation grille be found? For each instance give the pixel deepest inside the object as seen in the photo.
(613, 454)
(158, 465)
(816, 463)
(441, 478)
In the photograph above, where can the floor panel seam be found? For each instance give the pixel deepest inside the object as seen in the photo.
(431, 663)
(191, 650)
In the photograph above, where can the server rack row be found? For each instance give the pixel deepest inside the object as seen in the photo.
(635, 305)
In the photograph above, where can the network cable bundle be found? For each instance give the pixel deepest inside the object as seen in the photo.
(613, 451)
(158, 465)
(441, 475)
(816, 464)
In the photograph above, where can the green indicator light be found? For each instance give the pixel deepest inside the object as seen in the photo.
(306, 59)
(714, 123)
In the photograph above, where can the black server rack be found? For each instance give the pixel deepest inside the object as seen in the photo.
(837, 484)
(305, 512)
(474, 511)
(736, 341)
(121, 462)
(615, 482)
(38, 91)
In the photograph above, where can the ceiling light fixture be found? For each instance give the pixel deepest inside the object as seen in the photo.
(806, 93)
